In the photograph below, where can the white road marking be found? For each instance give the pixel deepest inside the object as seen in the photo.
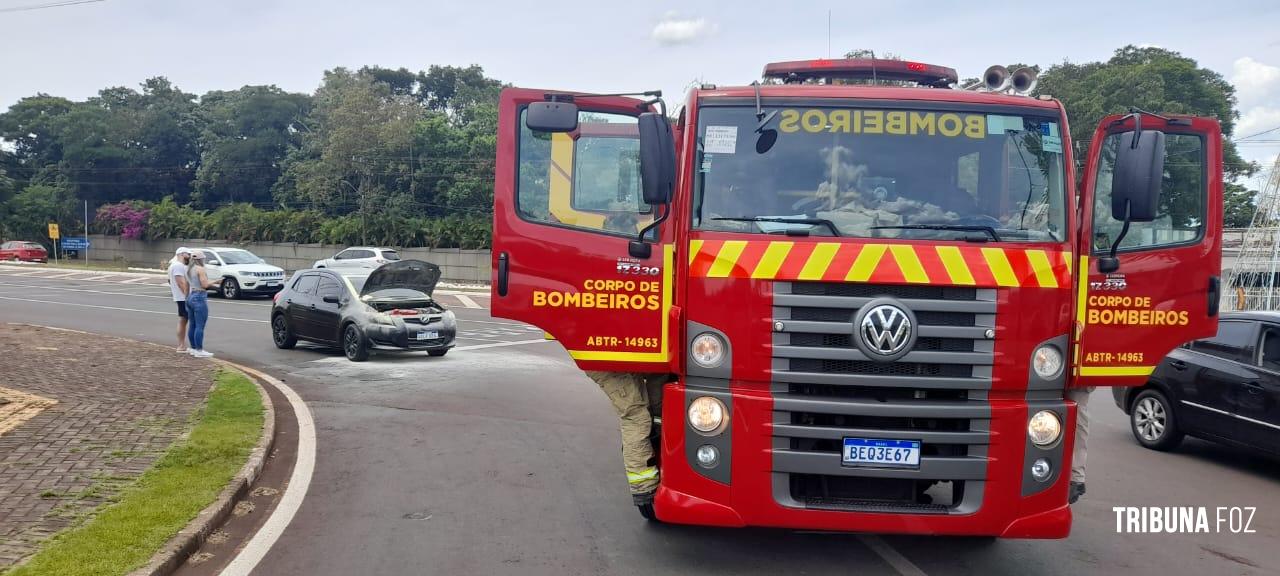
(891, 556)
(294, 492)
(64, 275)
(466, 301)
(134, 294)
(503, 344)
(343, 359)
(173, 312)
(525, 326)
(133, 280)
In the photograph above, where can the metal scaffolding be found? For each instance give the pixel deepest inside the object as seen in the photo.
(1253, 283)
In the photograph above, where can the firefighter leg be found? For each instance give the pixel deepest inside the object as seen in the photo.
(629, 395)
(1081, 449)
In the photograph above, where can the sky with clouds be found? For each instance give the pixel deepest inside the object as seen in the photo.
(75, 50)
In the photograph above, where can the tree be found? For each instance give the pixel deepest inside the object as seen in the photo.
(1153, 79)
(27, 214)
(358, 152)
(245, 137)
(1237, 205)
(124, 144)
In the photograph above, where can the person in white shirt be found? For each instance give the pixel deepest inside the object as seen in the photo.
(178, 286)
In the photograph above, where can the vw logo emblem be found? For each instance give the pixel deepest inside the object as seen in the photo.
(884, 330)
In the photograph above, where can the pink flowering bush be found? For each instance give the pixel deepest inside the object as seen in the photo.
(127, 219)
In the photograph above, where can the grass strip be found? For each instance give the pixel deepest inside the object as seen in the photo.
(124, 535)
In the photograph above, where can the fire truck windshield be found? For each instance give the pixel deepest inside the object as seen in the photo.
(880, 172)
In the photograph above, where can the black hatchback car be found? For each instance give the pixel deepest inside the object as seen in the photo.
(390, 308)
(1225, 388)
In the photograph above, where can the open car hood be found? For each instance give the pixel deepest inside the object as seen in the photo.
(408, 274)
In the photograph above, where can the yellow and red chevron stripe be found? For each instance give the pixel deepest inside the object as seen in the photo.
(979, 266)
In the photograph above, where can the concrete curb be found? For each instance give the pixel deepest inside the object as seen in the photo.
(188, 540)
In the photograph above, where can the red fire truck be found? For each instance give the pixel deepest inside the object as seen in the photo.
(870, 298)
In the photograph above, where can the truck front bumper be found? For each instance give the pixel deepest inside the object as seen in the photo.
(770, 479)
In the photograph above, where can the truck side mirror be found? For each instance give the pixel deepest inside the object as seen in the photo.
(657, 174)
(1135, 185)
(1138, 175)
(657, 159)
(552, 116)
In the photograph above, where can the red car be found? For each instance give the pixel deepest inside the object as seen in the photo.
(17, 250)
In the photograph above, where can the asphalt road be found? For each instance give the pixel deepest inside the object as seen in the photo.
(502, 458)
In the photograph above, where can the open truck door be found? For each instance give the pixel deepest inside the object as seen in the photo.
(570, 205)
(1151, 245)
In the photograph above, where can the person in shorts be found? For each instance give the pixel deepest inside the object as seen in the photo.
(178, 287)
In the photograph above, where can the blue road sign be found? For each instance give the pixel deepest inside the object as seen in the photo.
(75, 243)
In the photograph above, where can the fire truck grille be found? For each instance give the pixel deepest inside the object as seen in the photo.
(826, 390)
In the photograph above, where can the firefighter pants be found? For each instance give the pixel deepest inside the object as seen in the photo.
(631, 397)
(1081, 397)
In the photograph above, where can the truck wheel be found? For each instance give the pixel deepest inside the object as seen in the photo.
(1153, 422)
(281, 333)
(646, 510)
(230, 289)
(354, 344)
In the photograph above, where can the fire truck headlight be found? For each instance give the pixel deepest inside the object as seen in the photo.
(708, 456)
(1044, 428)
(706, 415)
(707, 350)
(1041, 469)
(1047, 362)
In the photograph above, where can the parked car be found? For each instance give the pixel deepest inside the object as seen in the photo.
(21, 251)
(359, 258)
(1225, 389)
(387, 309)
(240, 273)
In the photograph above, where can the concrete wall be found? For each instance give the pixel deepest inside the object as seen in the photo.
(464, 266)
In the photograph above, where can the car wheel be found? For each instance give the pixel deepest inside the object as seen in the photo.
(354, 345)
(281, 333)
(230, 288)
(437, 353)
(1153, 421)
(646, 510)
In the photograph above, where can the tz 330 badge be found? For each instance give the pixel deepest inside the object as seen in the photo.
(632, 267)
(1113, 282)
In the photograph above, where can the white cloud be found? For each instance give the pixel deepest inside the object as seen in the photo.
(1258, 92)
(1256, 120)
(1256, 83)
(673, 30)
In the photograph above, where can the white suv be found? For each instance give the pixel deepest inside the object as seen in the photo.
(241, 272)
(359, 258)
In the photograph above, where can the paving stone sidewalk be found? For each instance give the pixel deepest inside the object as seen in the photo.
(80, 417)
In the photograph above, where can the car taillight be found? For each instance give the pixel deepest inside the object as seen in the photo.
(276, 297)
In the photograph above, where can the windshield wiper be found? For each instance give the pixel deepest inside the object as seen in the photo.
(989, 230)
(782, 220)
